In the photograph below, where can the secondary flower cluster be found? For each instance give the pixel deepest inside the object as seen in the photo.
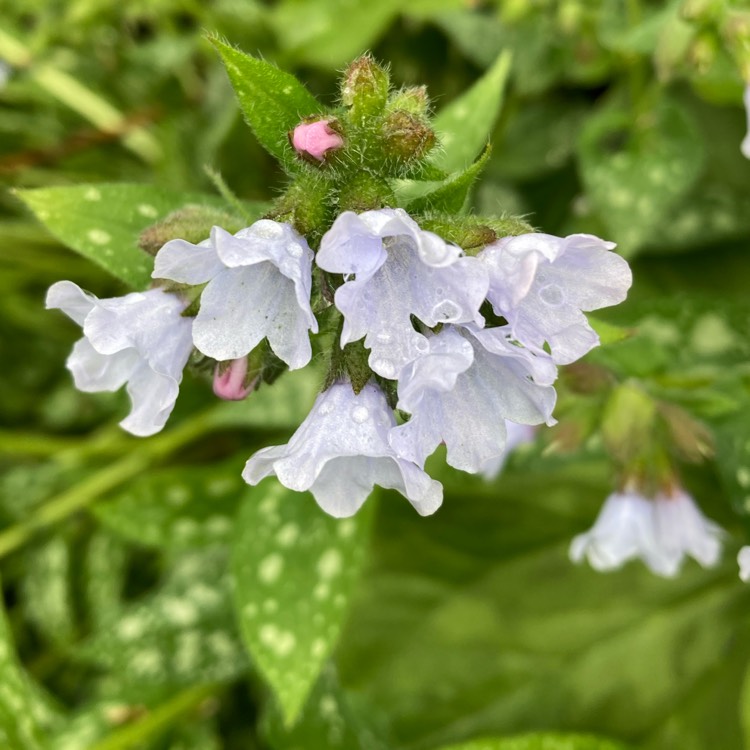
(661, 531)
(469, 341)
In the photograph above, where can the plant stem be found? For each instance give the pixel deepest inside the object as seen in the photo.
(156, 721)
(84, 493)
(81, 99)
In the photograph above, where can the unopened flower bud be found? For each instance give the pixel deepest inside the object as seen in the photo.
(413, 100)
(230, 380)
(406, 137)
(191, 223)
(313, 140)
(365, 88)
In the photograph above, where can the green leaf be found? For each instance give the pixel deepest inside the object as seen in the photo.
(329, 33)
(474, 623)
(20, 710)
(179, 507)
(538, 137)
(465, 125)
(452, 195)
(607, 332)
(273, 101)
(331, 719)
(294, 569)
(634, 186)
(47, 590)
(103, 222)
(104, 577)
(541, 742)
(733, 456)
(180, 635)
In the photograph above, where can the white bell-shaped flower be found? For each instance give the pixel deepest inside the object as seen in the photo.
(624, 530)
(743, 560)
(661, 532)
(341, 451)
(141, 339)
(745, 147)
(462, 391)
(682, 530)
(541, 284)
(258, 286)
(399, 271)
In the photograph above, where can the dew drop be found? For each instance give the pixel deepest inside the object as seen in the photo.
(383, 338)
(384, 367)
(421, 344)
(268, 230)
(551, 295)
(294, 249)
(360, 414)
(446, 311)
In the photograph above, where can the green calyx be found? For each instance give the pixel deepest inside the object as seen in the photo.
(191, 223)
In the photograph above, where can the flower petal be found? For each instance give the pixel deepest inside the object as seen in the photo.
(381, 307)
(94, 372)
(341, 451)
(470, 417)
(153, 397)
(541, 284)
(186, 263)
(242, 306)
(71, 299)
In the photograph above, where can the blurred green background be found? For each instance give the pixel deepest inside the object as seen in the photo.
(623, 119)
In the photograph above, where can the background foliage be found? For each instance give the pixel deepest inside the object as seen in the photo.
(154, 601)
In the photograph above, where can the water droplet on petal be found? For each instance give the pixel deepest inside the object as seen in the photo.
(384, 367)
(551, 295)
(267, 229)
(294, 249)
(383, 338)
(446, 311)
(326, 407)
(421, 344)
(360, 414)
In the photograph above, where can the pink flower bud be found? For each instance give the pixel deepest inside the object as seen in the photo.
(229, 382)
(315, 139)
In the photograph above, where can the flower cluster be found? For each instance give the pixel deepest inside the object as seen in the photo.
(461, 345)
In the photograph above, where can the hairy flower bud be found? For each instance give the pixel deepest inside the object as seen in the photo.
(413, 99)
(191, 223)
(314, 140)
(406, 137)
(365, 88)
(230, 380)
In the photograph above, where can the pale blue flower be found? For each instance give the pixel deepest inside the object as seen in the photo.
(463, 389)
(341, 451)
(259, 283)
(541, 284)
(745, 147)
(394, 270)
(141, 339)
(743, 560)
(661, 532)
